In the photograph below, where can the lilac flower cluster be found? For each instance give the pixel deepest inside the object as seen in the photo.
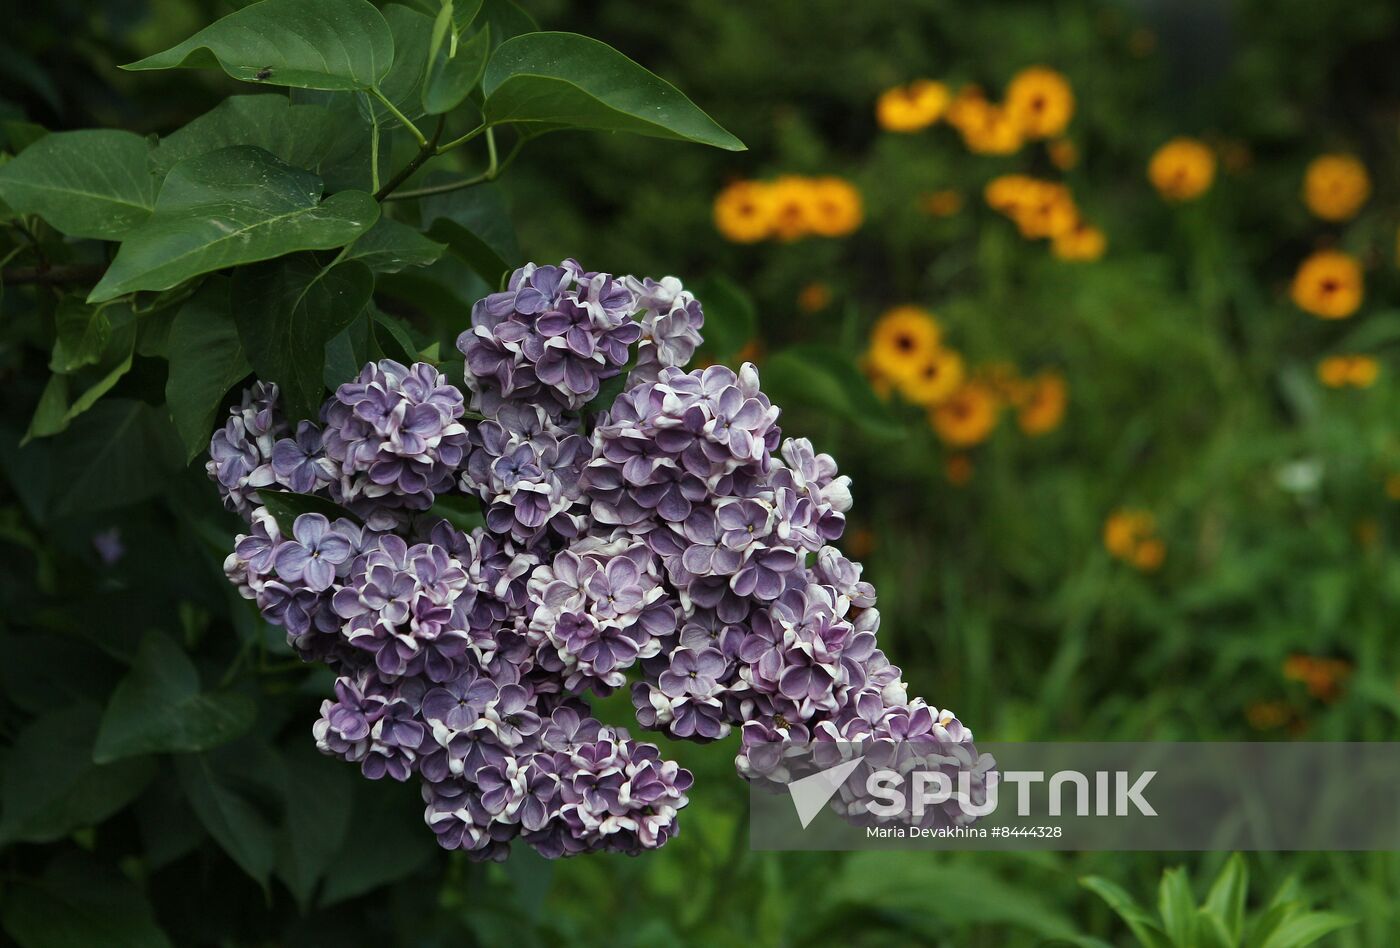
(551, 338)
(673, 540)
(240, 453)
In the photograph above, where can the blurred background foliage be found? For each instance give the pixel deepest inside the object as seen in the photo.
(1199, 418)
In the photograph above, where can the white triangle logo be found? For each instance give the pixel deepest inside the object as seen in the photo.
(810, 794)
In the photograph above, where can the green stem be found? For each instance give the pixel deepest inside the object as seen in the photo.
(427, 151)
(374, 155)
(492, 172)
(463, 140)
(418, 136)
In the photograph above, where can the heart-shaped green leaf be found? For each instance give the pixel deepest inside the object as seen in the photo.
(549, 81)
(51, 786)
(206, 360)
(403, 84)
(340, 45)
(475, 225)
(288, 310)
(159, 708)
(229, 207)
(285, 506)
(453, 75)
(66, 396)
(390, 246)
(220, 801)
(91, 183)
(304, 136)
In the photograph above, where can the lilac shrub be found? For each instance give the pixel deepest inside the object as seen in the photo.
(671, 541)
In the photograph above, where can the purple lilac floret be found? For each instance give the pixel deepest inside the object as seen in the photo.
(550, 338)
(673, 542)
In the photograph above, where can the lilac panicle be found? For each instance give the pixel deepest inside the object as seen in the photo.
(673, 543)
(551, 337)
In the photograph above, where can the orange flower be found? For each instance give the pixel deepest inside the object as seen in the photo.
(912, 107)
(744, 212)
(1039, 102)
(1047, 210)
(967, 417)
(934, 379)
(814, 297)
(1131, 535)
(1358, 371)
(836, 208)
(1081, 242)
(958, 469)
(1150, 555)
(1392, 487)
(1182, 169)
(1043, 408)
(1329, 285)
(1267, 715)
(1006, 193)
(1063, 153)
(793, 205)
(860, 543)
(988, 130)
(1323, 677)
(1126, 529)
(902, 339)
(943, 203)
(1335, 187)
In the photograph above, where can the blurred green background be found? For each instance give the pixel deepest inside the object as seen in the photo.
(1194, 396)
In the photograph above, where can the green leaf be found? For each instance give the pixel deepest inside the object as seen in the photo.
(463, 12)
(79, 902)
(475, 225)
(1227, 896)
(902, 882)
(730, 320)
(309, 136)
(1143, 926)
(390, 246)
(230, 207)
(285, 506)
(403, 85)
(206, 360)
(91, 183)
(392, 339)
(1305, 929)
(228, 814)
(1177, 907)
(289, 309)
(454, 72)
(159, 708)
(310, 44)
(317, 793)
(549, 81)
(390, 814)
(461, 511)
(506, 20)
(81, 334)
(120, 452)
(56, 409)
(347, 352)
(826, 379)
(51, 786)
